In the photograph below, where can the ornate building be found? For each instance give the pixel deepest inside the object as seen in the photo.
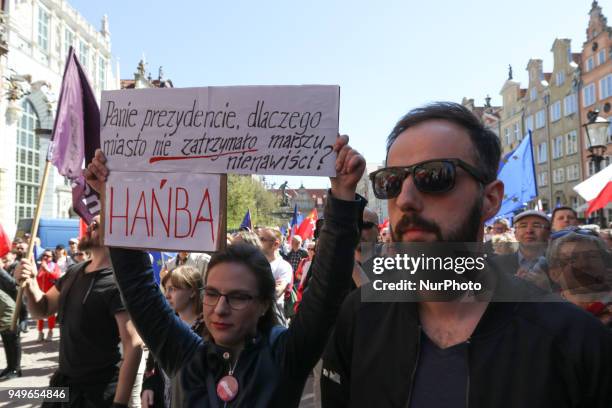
(564, 125)
(595, 88)
(37, 35)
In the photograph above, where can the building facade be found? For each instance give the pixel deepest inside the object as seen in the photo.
(38, 34)
(564, 125)
(511, 126)
(364, 187)
(595, 90)
(488, 114)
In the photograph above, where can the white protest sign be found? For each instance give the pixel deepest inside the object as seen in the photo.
(241, 129)
(171, 211)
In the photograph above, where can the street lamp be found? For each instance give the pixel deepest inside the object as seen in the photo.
(597, 137)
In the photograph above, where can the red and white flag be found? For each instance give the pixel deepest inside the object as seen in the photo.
(307, 227)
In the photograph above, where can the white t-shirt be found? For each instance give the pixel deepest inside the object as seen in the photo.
(282, 271)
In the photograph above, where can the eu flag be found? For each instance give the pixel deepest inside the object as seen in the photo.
(517, 172)
(246, 221)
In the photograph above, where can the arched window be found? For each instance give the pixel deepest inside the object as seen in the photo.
(27, 171)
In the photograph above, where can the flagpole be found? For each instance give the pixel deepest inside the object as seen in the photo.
(33, 234)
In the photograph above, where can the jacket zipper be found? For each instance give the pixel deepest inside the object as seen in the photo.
(416, 364)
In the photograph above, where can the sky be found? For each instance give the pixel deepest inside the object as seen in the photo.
(388, 57)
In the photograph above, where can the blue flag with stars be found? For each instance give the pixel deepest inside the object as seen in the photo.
(517, 172)
(246, 221)
(158, 259)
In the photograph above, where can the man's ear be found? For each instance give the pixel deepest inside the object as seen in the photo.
(493, 195)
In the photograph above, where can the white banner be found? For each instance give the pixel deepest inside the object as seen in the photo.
(242, 129)
(170, 211)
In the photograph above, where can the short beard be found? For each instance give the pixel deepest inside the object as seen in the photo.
(466, 232)
(87, 243)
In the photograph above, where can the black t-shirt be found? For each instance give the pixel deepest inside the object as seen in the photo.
(441, 377)
(89, 339)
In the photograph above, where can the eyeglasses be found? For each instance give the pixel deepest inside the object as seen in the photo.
(535, 225)
(47, 256)
(431, 176)
(368, 225)
(236, 301)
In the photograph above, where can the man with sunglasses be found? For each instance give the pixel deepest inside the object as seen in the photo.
(93, 323)
(441, 186)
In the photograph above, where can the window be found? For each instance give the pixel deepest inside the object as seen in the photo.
(543, 179)
(560, 78)
(555, 111)
(605, 87)
(589, 64)
(557, 150)
(68, 40)
(572, 142)
(574, 201)
(540, 119)
(507, 136)
(570, 104)
(573, 172)
(558, 176)
(529, 122)
(542, 152)
(43, 28)
(27, 164)
(601, 57)
(102, 72)
(517, 132)
(533, 94)
(84, 55)
(610, 132)
(588, 94)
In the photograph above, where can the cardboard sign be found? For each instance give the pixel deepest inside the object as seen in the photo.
(171, 211)
(242, 129)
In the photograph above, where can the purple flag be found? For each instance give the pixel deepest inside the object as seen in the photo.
(76, 135)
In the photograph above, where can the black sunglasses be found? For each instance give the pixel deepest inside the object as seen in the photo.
(431, 176)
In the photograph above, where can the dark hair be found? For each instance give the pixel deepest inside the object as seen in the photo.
(252, 257)
(563, 208)
(486, 143)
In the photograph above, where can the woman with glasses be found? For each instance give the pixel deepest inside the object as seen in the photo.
(246, 359)
(48, 273)
(183, 290)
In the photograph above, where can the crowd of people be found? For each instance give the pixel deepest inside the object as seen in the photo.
(247, 325)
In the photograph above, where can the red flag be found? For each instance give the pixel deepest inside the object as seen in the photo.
(82, 228)
(5, 242)
(602, 199)
(307, 227)
(384, 225)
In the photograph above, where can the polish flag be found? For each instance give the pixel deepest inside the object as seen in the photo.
(602, 199)
(5, 242)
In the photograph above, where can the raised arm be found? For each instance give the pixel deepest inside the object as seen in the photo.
(302, 344)
(169, 339)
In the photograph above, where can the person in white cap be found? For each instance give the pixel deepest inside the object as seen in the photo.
(532, 230)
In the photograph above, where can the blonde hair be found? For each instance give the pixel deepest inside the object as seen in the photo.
(188, 277)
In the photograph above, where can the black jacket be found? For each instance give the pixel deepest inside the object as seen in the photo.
(520, 355)
(271, 372)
